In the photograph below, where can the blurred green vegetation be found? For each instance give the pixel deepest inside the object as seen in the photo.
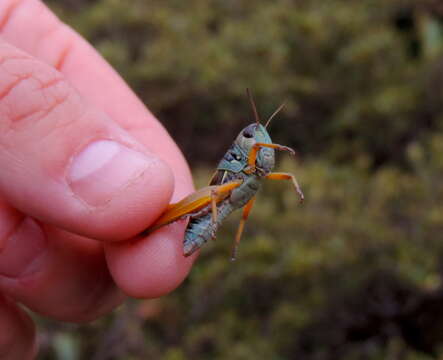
(356, 271)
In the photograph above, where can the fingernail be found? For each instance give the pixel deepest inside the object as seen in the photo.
(22, 249)
(103, 168)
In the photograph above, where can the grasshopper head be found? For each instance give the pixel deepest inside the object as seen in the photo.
(257, 133)
(236, 158)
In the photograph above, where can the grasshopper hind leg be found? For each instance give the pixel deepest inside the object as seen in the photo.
(246, 211)
(287, 176)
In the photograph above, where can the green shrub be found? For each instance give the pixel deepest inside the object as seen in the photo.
(360, 78)
(355, 272)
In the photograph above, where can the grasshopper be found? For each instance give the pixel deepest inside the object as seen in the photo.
(234, 185)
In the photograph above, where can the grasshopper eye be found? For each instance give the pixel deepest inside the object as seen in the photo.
(249, 131)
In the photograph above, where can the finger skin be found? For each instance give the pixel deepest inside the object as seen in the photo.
(66, 276)
(39, 110)
(17, 333)
(57, 274)
(159, 255)
(54, 272)
(167, 267)
(56, 44)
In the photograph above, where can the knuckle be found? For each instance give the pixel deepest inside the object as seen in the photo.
(30, 92)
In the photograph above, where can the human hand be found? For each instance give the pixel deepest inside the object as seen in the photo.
(81, 158)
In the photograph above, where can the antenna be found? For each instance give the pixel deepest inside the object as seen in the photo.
(275, 113)
(254, 109)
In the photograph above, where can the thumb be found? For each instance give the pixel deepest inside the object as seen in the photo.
(68, 164)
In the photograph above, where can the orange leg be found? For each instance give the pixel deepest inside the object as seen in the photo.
(219, 193)
(286, 176)
(256, 147)
(246, 211)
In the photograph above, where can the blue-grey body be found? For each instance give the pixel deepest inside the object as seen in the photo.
(234, 185)
(201, 228)
(233, 166)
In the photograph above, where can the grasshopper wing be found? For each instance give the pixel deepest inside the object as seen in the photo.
(193, 203)
(190, 204)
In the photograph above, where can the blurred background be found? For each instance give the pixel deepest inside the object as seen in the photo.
(353, 273)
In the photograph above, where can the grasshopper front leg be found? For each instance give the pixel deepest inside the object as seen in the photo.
(287, 176)
(252, 156)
